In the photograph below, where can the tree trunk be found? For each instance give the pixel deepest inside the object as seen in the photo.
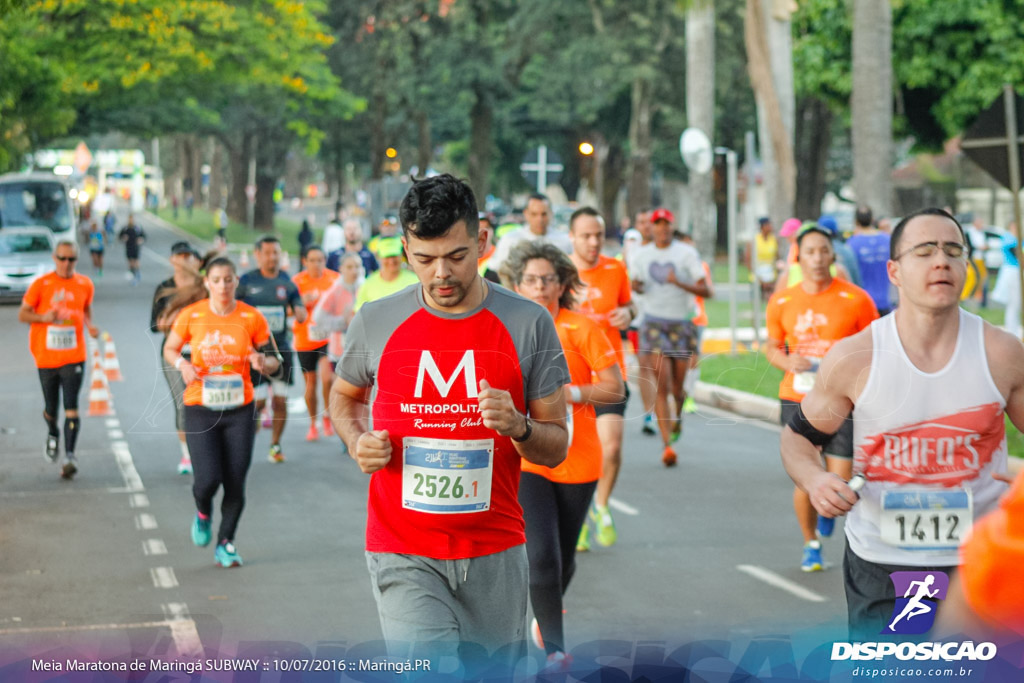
(216, 174)
(768, 37)
(611, 176)
(481, 125)
(700, 113)
(425, 146)
(813, 141)
(640, 146)
(378, 135)
(239, 153)
(871, 105)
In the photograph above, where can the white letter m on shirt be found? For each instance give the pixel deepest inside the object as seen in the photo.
(467, 366)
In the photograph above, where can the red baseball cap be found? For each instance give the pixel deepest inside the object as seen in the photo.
(662, 215)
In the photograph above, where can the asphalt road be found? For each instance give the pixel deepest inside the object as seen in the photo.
(104, 565)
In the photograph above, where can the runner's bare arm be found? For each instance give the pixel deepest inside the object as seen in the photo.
(349, 409)
(27, 314)
(825, 407)
(607, 389)
(548, 441)
(698, 288)
(775, 352)
(93, 330)
(173, 357)
(1006, 365)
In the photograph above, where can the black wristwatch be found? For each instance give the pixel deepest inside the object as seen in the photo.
(527, 433)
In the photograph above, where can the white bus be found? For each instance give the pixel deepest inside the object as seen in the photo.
(37, 200)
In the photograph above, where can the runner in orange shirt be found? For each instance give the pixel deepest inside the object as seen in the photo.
(555, 500)
(804, 322)
(606, 299)
(227, 338)
(313, 281)
(58, 306)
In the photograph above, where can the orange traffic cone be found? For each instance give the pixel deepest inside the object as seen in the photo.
(286, 263)
(110, 364)
(99, 392)
(243, 260)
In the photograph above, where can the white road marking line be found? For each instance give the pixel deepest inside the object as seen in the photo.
(622, 507)
(773, 579)
(123, 456)
(163, 577)
(154, 546)
(86, 627)
(139, 500)
(113, 423)
(115, 433)
(183, 630)
(145, 522)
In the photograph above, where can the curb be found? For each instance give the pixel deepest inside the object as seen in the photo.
(738, 402)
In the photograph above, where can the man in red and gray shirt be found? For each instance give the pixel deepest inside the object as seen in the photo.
(462, 379)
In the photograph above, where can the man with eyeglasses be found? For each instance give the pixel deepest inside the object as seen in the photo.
(928, 387)
(804, 321)
(58, 306)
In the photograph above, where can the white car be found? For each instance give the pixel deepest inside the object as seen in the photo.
(25, 255)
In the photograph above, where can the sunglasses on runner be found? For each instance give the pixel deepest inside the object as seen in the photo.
(70, 259)
(953, 250)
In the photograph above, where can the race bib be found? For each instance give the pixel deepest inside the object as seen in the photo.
(447, 476)
(275, 317)
(919, 519)
(804, 381)
(223, 392)
(61, 337)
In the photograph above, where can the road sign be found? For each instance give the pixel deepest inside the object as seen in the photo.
(986, 142)
(695, 149)
(542, 167)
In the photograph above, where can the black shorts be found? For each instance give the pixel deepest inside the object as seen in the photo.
(284, 375)
(66, 379)
(841, 443)
(308, 360)
(871, 596)
(618, 408)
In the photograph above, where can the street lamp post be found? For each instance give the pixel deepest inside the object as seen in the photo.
(730, 163)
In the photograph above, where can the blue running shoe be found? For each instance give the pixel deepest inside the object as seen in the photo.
(648, 427)
(812, 561)
(826, 525)
(201, 531)
(226, 556)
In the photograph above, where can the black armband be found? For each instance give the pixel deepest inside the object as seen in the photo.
(800, 424)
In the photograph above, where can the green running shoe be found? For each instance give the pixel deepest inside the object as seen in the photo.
(605, 526)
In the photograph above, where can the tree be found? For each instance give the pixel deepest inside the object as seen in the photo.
(871, 104)
(700, 113)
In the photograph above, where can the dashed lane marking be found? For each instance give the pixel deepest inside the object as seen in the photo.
(773, 579)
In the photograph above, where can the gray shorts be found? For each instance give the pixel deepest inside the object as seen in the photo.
(468, 609)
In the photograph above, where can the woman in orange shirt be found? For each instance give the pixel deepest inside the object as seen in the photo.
(313, 281)
(555, 501)
(227, 337)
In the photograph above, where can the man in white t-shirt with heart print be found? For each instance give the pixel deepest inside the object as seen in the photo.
(669, 275)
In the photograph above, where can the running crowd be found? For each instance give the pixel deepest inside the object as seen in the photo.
(488, 476)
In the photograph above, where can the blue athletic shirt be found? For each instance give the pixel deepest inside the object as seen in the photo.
(872, 252)
(272, 297)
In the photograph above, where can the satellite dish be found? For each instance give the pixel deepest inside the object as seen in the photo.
(695, 148)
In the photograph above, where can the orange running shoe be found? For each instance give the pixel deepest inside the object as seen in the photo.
(668, 457)
(312, 434)
(328, 427)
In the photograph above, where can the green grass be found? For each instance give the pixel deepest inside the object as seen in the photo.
(720, 272)
(718, 312)
(203, 226)
(751, 372)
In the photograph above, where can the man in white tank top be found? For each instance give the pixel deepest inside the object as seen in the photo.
(928, 387)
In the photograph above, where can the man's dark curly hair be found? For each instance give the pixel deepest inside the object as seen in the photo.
(433, 205)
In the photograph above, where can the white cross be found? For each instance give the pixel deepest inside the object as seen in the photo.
(541, 168)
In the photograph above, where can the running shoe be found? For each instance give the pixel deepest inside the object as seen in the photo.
(812, 561)
(603, 523)
(668, 457)
(535, 635)
(226, 556)
(69, 469)
(312, 434)
(275, 453)
(826, 525)
(583, 544)
(648, 427)
(51, 447)
(328, 427)
(689, 405)
(558, 662)
(201, 531)
(185, 466)
(677, 430)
